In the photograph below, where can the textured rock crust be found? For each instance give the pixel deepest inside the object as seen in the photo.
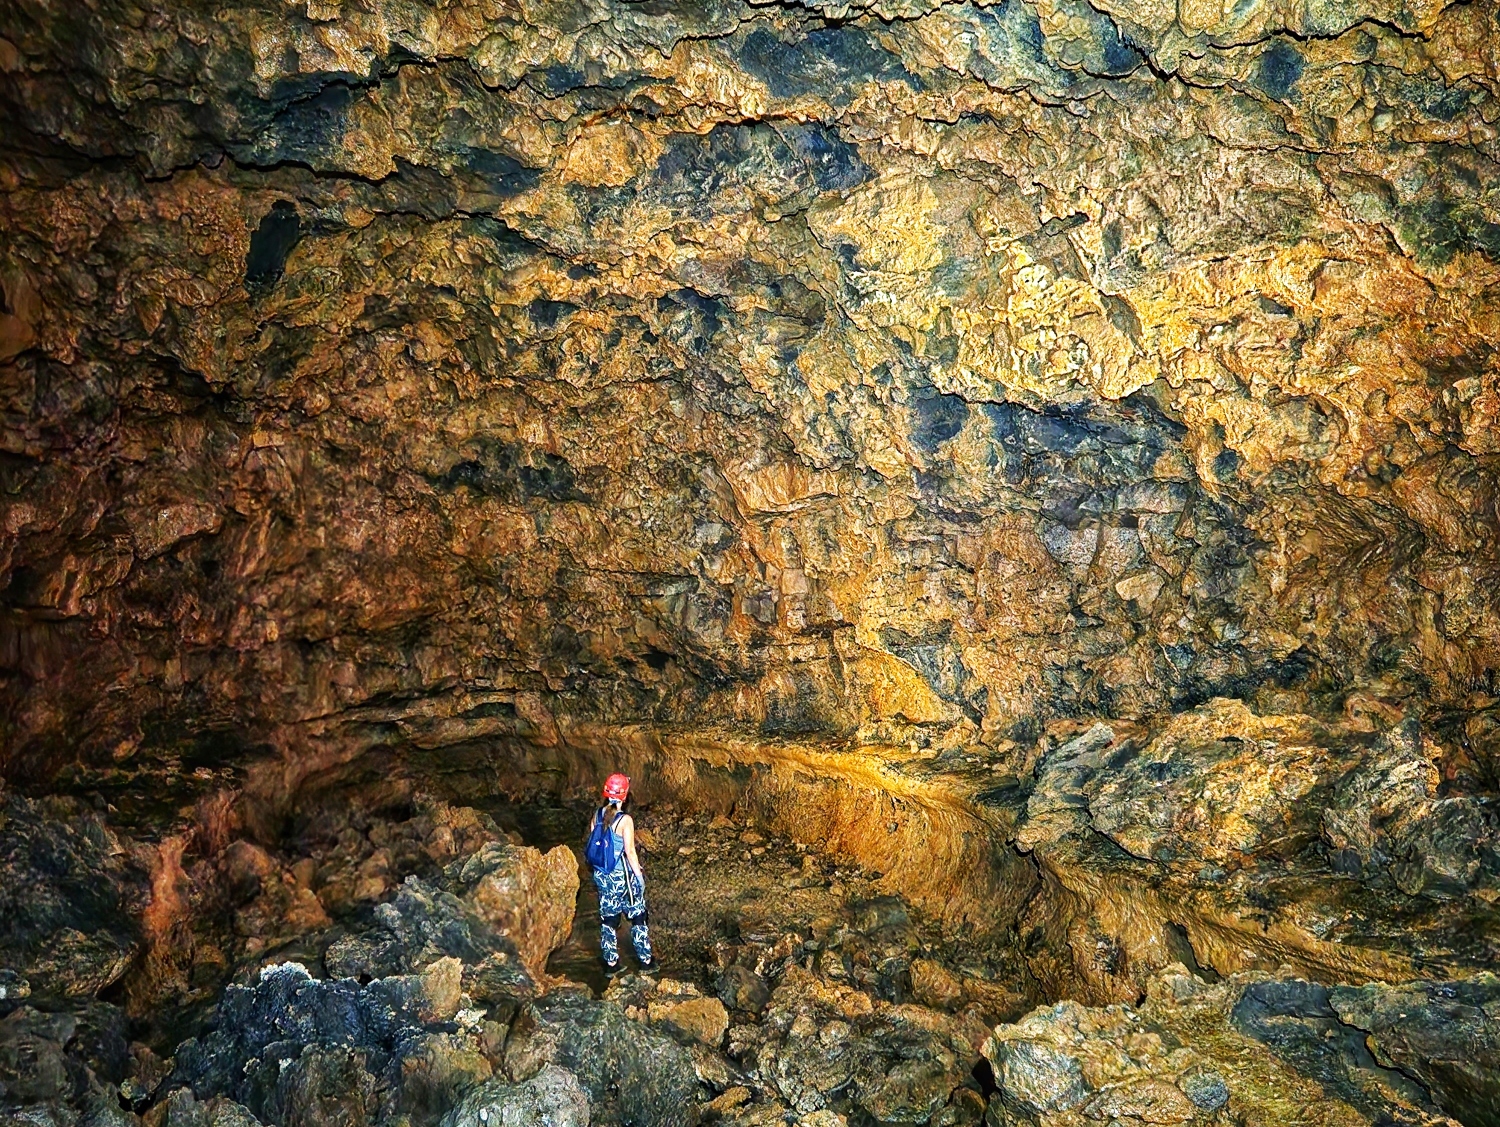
(1249, 1050)
(68, 898)
(904, 371)
(1044, 451)
(833, 1004)
(525, 896)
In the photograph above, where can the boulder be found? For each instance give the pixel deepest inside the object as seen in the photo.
(1445, 1035)
(1270, 1051)
(302, 1051)
(48, 1064)
(827, 1042)
(551, 1098)
(66, 929)
(322, 1084)
(632, 1073)
(183, 1109)
(525, 895)
(681, 1011)
(422, 925)
(700, 1020)
(740, 988)
(882, 917)
(1207, 790)
(1226, 787)
(436, 1067)
(33, 1066)
(246, 868)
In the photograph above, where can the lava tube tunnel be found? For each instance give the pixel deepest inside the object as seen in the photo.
(731, 563)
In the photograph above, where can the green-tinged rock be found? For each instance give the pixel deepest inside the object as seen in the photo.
(631, 1073)
(1256, 1049)
(1444, 1035)
(551, 1098)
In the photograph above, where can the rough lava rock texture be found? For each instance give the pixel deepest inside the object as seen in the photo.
(1261, 842)
(69, 900)
(1248, 1050)
(903, 372)
(1041, 451)
(551, 1098)
(299, 1050)
(1443, 1035)
(399, 1017)
(634, 1076)
(524, 895)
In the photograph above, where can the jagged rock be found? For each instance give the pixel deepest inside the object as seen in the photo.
(145, 1074)
(826, 410)
(1228, 826)
(437, 1067)
(302, 1051)
(631, 1073)
(727, 1101)
(551, 1098)
(62, 1067)
(899, 1064)
(33, 1067)
(526, 896)
(1389, 819)
(357, 859)
(714, 1071)
(246, 868)
(933, 986)
(182, 1109)
(1235, 799)
(949, 375)
(740, 988)
(1055, 804)
(885, 917)
(320, 1084)
(1444, 1035)
(701, 1020)
(66, 929)
(1253, 1048)
(423, 925)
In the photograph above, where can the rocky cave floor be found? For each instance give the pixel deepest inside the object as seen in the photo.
(385, 958)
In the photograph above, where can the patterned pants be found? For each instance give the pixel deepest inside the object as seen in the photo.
(615, 901)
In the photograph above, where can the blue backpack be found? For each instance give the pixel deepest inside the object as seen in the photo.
(600, 851)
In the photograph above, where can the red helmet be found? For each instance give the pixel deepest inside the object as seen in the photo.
(616, 787)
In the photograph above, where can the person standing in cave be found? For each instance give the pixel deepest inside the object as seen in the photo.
(618, 876)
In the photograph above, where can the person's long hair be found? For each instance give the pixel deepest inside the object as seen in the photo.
(611, 811)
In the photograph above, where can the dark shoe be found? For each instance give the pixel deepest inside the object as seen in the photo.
(649, 964)
(611, 969)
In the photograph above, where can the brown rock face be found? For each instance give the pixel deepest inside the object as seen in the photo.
(524, 895)
(703, 1020)
(1041, 453)
(1195, 1053)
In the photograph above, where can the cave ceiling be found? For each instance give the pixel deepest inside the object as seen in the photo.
(898, 373)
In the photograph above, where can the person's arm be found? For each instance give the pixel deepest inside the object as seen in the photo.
(627, 831)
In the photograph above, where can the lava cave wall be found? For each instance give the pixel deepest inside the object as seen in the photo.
(904, 373)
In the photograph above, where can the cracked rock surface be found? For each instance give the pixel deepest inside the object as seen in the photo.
(1246, 1050)
(913, 371)
(1014, 483)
